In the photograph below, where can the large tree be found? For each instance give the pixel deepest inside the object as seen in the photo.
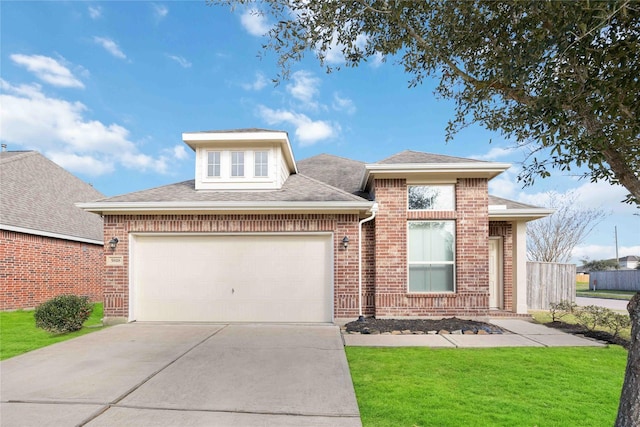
(560, 77)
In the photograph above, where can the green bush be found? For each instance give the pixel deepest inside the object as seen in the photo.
(560, 309)
(592, 316)
(62, 314)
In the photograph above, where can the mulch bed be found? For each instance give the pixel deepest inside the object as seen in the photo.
(451, 325)
(581, 330)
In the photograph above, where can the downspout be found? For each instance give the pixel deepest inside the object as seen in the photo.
(373, 210)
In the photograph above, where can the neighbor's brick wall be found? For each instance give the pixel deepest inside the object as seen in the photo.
(116, 286)
(472, 252)
(34, 269)
(505, 230)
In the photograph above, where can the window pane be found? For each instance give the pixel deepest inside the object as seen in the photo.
(432, 197)
(261, 163)
(431, 278)
(431, 241)
(213, 163)
(237, 163)
(431, 256)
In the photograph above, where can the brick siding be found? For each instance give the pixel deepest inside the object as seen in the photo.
(34, 269)
(116, 284)
(471, 297)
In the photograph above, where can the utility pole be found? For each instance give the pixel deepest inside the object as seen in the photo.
(617, 258)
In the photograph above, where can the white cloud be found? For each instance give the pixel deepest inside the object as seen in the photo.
(378, 60)
(255, 22)
(307, 131)
(495, 153)
(110, 46)
(343, 104)
(258, 84)
(179, 152)
(334, 55)
(48, 70)
(95, 11)
(59, 129)
(304, 87)
(160, 11)
(184, 63)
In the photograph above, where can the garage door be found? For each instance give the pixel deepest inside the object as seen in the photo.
(232, 278)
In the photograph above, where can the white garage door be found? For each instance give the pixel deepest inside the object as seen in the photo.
(232, 278)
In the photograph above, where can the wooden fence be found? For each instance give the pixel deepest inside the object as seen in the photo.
(619, 280)
(549, 282)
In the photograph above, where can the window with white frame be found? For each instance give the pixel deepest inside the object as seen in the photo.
(237, 163)
(431, 256)
(261, 163)
(439, 197)
(213, 164)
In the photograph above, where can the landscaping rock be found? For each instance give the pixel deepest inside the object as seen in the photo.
(443, 332)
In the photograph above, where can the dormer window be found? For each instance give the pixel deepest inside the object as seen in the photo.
(261, 164)
(213, 164)
(237, 163)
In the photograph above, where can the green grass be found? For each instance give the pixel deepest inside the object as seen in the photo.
(545, 317)
(582, 290)
(562, 386)
(18, 332)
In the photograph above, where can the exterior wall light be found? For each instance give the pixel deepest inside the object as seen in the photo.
(345, 242)
(113, 243)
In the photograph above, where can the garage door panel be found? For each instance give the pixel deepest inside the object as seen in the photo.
(257, 278)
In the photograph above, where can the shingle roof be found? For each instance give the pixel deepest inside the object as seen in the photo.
(409, 156)
(493, 200)
(37, 194)
(297, 188)
(345, 174)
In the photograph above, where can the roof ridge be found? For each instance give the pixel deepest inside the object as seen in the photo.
(333, 155)
(353, 196)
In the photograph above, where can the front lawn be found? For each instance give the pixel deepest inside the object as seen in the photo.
(18, 332)
(582, 290)
(560, 386)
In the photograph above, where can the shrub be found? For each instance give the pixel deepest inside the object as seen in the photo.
(560, 309)
(62, 314)
(592, 316)
(617, 321)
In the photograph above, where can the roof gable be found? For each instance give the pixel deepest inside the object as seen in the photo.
(39, 197)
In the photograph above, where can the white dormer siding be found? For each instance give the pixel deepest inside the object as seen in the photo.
(248, 160)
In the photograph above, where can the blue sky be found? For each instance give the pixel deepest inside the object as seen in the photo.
(105, 89)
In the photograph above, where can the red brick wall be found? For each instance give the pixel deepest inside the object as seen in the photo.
(368, 268)
(34, 269)
(505, 230)
(116, 286)
(471, 297)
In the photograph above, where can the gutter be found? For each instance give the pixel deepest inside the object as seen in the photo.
(374, 209)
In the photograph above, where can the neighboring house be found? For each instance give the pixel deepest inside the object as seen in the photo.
(260, 237)
(629, 262)
(48, 246)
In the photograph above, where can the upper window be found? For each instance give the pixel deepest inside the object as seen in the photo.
(213, 163)
(431, 256)
(237, 163)
(261, 163)
(432, 197)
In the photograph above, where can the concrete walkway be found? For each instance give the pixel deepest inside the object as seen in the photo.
(184, 374)
(522, 333)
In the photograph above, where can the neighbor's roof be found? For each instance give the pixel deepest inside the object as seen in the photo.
(298, 193)
(38, 197)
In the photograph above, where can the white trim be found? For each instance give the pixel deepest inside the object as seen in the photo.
(499, 271)
(165, 207)
(518, 214)
(49, 234)
(233, 136)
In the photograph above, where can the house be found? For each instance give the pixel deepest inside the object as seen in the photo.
(48, 246)
(629, 262)
(259, 237)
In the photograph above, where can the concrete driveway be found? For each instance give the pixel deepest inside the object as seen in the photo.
(184, 374)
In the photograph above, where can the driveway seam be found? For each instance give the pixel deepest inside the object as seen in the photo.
(239, 411)
(149, 377)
